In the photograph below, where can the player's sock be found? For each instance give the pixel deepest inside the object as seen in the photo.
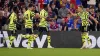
(88, 40)
(89, 43)
(49, 40)
(83, 41)
(11, 38)
(29, 45)
(11, 42)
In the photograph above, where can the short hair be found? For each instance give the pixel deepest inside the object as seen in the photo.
(81, 6)
(15, 8)
(45, 5)
(31, 5)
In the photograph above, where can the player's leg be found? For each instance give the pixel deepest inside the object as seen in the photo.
(30, 38)
(29, 44)
(87, 37)
(83, 41)
(26, 35)
(48, 38)
(11, 38)
(84, 37)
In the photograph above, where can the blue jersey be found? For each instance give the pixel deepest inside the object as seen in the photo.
(46, 1)
(70, 23)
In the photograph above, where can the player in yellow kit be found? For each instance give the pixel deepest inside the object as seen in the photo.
(84, 15)
(12, 25)
(28, 18)
(43, 25)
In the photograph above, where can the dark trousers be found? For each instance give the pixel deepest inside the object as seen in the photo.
(98, 27)
(92, 27)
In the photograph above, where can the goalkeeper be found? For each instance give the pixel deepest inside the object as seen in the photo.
(84, 15)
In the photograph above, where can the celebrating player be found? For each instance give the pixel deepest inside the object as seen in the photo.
(12, 25)
(28, 18)
(84, 15)
(43, 26)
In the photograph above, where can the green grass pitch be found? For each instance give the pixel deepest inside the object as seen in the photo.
(49, 52)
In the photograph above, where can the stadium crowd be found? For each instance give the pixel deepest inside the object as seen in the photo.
(59, 18)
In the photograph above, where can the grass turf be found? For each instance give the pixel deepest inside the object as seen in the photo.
(49, 52)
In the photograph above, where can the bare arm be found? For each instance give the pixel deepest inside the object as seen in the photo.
(65, 28)
(60, 28)
(75, 23)
(72, 13)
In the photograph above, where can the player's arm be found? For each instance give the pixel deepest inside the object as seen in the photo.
(73, 14)
(33, 14)
(41, 16)
(25, 16)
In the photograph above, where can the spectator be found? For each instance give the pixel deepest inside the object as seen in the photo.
(68, 4)
(56, 2)
(51, 15)
(93, 25)
(20, 19)
(2, 20)
(70, 22)
(53, 26)
(84, 3)
(41, 3)
(63, 25)
(97, 2)
(98, 17)
(77, 23)
(72, 8)
(63, 11)
(11, 4)
(54, 9)
(6, 14)
(27, 2)
(91, 2)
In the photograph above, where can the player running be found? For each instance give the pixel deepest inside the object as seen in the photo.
(12, 25)
(43, 25)
(84, 15)
(28, 18)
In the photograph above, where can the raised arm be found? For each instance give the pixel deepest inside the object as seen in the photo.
(73, 14)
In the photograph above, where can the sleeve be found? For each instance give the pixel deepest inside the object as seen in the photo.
(25, 15)
(10, 16)
(32, 14)
(88, 13)
(15, 17)
(78, 14)
(41, 14)
(46, 14)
